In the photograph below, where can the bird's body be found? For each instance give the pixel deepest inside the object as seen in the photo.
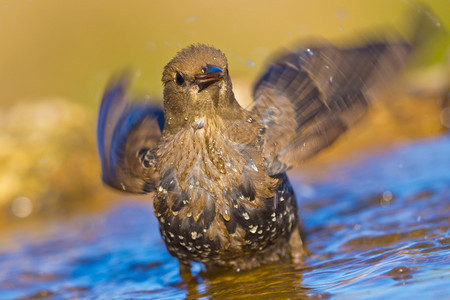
(215, 202)
(217, 170)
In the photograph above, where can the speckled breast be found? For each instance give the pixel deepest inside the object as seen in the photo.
(220, 239)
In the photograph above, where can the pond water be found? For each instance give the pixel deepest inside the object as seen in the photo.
(376, 228)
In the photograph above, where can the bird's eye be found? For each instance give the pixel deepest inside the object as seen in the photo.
(204, 69)
(179, 79)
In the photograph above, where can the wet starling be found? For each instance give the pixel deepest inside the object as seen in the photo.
(217, 170)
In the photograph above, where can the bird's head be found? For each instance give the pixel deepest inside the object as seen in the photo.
(196, 84)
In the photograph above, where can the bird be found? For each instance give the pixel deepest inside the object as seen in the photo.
(216, 170)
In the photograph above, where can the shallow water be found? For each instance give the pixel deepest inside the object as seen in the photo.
(377, 227)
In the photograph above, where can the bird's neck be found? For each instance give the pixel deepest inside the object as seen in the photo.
(192, 116)
(234, 124)
(182, 113)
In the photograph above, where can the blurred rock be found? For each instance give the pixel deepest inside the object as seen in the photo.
(48, 156)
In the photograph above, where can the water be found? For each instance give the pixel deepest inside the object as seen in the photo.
(376, 228)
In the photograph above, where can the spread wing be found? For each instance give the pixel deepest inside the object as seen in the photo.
(127, 136)
(307, 99)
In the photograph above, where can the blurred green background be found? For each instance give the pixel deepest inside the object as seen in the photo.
(57, 56)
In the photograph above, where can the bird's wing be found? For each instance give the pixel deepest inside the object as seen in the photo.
(127, 136)
(308, 98)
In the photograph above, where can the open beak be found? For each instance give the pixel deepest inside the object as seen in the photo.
(209, 75)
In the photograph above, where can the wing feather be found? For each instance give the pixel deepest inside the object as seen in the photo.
(308, 98)
(128, 133)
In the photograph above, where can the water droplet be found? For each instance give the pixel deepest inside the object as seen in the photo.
(22, 207)
(250, 63)
(190, 19)
(250, 120)
(330, 80)
(251, 164)
(200, 123)
(387, 196)
(151, 45)
(303, 147)
(433, 19)
(400, 273)
(341, 13)
(309, 51)
(226, 214)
